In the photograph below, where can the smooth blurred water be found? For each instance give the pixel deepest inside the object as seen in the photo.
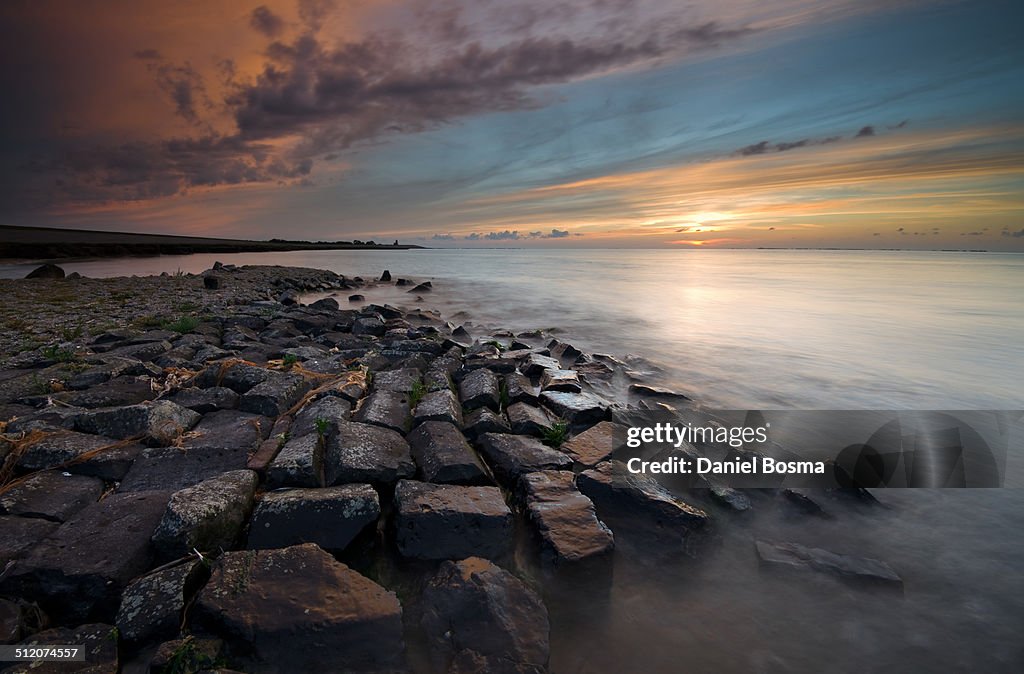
(732, 328)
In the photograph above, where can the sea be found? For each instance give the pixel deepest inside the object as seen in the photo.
(761, 329)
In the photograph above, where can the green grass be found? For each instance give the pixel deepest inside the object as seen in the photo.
(290, 359)
(557, 434)
(71, 333)
(418, 391)
(322, 426)
(183, 325)
(60, 354)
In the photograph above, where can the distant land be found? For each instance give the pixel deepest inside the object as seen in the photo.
(46, 243)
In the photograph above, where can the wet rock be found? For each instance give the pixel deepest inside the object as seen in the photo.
(191, 654)
(143, 351)
(438, 406)
(275, 396)
(483, 420)
(300, 463)
(238, 377)
(96, 639)
(564, 351)
(151, 606)
(385, 277)
(400, 381)
(560, 380)
(638, 501)
(403, 282)
(510, 456)
(113, 393)
(564, 518)
(330, 517)
(519, 389)
(329, 408)
(579, 409)
(424, 287)
(647, 391)
(368, 325)
(595, 444)
(804, 503)
(451, 522)
(799, 557)
(328, 303)
(81, 568)
(206, 400)
(444, 456)
(19, 534)
(285, 606)
(12, 622)
(477, 612)
(730, 497)
(160, 422)
(478, 389)
(51, 495)
(528, 420)
(47, 270)
(357, 298)
(359, 452)
(175, 468)
(536, 364)
(208, 516)
(228, 429)
(56, 447)
(389, 409)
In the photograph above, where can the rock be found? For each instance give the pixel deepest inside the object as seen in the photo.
(510, 456)
(451, 522)
(208, 516)
(370, 325)
(328, 303)
(473, 605)
(579, 409)
(357, 452)
(19, 534)
(403, 282)
(300, 463)
(289, 298)
(239, 378)
(46, 271)
(57, 447)
(12, 622)
(444, 456)
(51, 495)
(655, 392)
(151, 606)
(563, 350)
(385, 277)
(143, 352)
(482, 421)
(560, 380)
(400, 381)
(160, 422)
(478, 389)
(389, 409)
(286, 606)
(211, 282)
(804, 503)
(438, 406)
(81, 568)
(595, 444)
(519, 389)
(175, 468)
(424, 287)
(357, 298)
(536, 364)
(98, 641)
(227, 430)
(206, 400)
(330, 517)
(112, 393)
(564, 518)
(858, 569)
(730, 497)
(528, 420)
(328, 408)
(639, 501)
(275, 396)
(182, 656)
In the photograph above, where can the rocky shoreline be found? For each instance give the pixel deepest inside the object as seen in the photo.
(203, 473)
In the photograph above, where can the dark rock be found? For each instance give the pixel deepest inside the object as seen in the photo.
(564, 351)
(211, 282)
(112, 393)
(519, 389)
(151, 606)
(81, 568)
(228, 429)
(359, 452)
(478, 389)
(330, 517)
(208, 516)
(328, 303)
(730, 497)
(289, 298)
(19, 534)
(191, 654)
(511, 456)
(160, 421)
(300, 463)
(97, 640)
(46, 271)
(564, 518)
(51, 495)
(476, 611)
(275, 396)
(438, 406)
(329, 409)
(206, 400)
(143, 351)
(536, 364)
(287, 605)
(238, 377)
(260, 460)
(424, 287)
(528, 420)
(403, 282)
(595, 444)
(483, 420)
(857, 569)
(579, 409)
(560, 380)
(639, 501)
(176, 467)
(57, 447)
(385, 277)
(655, 392)
(371, 325)
(400, 381)
(12, 622)
(385, 408)
(450, 522)
(444, 456)
(357, 298)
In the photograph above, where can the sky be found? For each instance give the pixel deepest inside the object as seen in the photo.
(518, 123)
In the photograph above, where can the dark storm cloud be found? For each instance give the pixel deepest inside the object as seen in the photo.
(265, 21)
(184, 86)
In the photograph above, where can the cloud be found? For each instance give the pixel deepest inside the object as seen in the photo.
(472, 237)
(184, 86)
(865, 132)
(1017, 235)
(972, 233)
(765, 146)
(265, 21)
(558, 233)
(504, 235)
(443, 237)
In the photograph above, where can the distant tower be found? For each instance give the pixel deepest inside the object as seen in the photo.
(396, 242)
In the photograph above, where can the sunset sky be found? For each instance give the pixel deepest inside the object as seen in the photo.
(647, 123)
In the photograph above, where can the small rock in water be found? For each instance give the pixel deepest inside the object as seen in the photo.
(356, 298)
(796, 556)
(385, 277)
(46, 271)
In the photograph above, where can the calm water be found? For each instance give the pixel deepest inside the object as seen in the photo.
(771, 329)
(804, 329)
